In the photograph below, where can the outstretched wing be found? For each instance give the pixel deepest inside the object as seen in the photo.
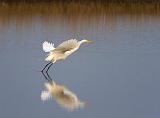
(47, 47)
(67, 45)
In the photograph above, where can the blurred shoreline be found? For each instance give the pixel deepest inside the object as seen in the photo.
(73, 13)
(80, 1)
(86, 7)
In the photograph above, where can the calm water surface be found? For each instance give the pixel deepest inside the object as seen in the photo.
(118, 75)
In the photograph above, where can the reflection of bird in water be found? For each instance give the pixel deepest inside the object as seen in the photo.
(62, 95)
(62, 51)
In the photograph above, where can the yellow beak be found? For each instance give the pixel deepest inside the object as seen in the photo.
(90, 41)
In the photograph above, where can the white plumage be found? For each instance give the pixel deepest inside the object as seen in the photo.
(47, 47)
(63, 50)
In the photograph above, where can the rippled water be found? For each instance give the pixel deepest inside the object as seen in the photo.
(118, 75)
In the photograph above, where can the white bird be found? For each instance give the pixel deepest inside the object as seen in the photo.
(63, 96)
(62, 51)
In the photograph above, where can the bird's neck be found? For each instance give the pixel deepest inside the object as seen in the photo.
(80, 42)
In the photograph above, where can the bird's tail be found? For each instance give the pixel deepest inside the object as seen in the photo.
(47, 46)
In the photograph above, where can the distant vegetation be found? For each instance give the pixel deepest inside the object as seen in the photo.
(99, 1)
(80, 7)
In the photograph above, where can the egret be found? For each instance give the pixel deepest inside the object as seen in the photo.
(62, 51)
(63, 96)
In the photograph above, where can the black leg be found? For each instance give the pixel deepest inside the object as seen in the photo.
(47, 72)
(46, 66)
(48, 79)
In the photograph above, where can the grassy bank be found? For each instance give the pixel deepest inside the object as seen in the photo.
(71, 7)
(81, 1)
